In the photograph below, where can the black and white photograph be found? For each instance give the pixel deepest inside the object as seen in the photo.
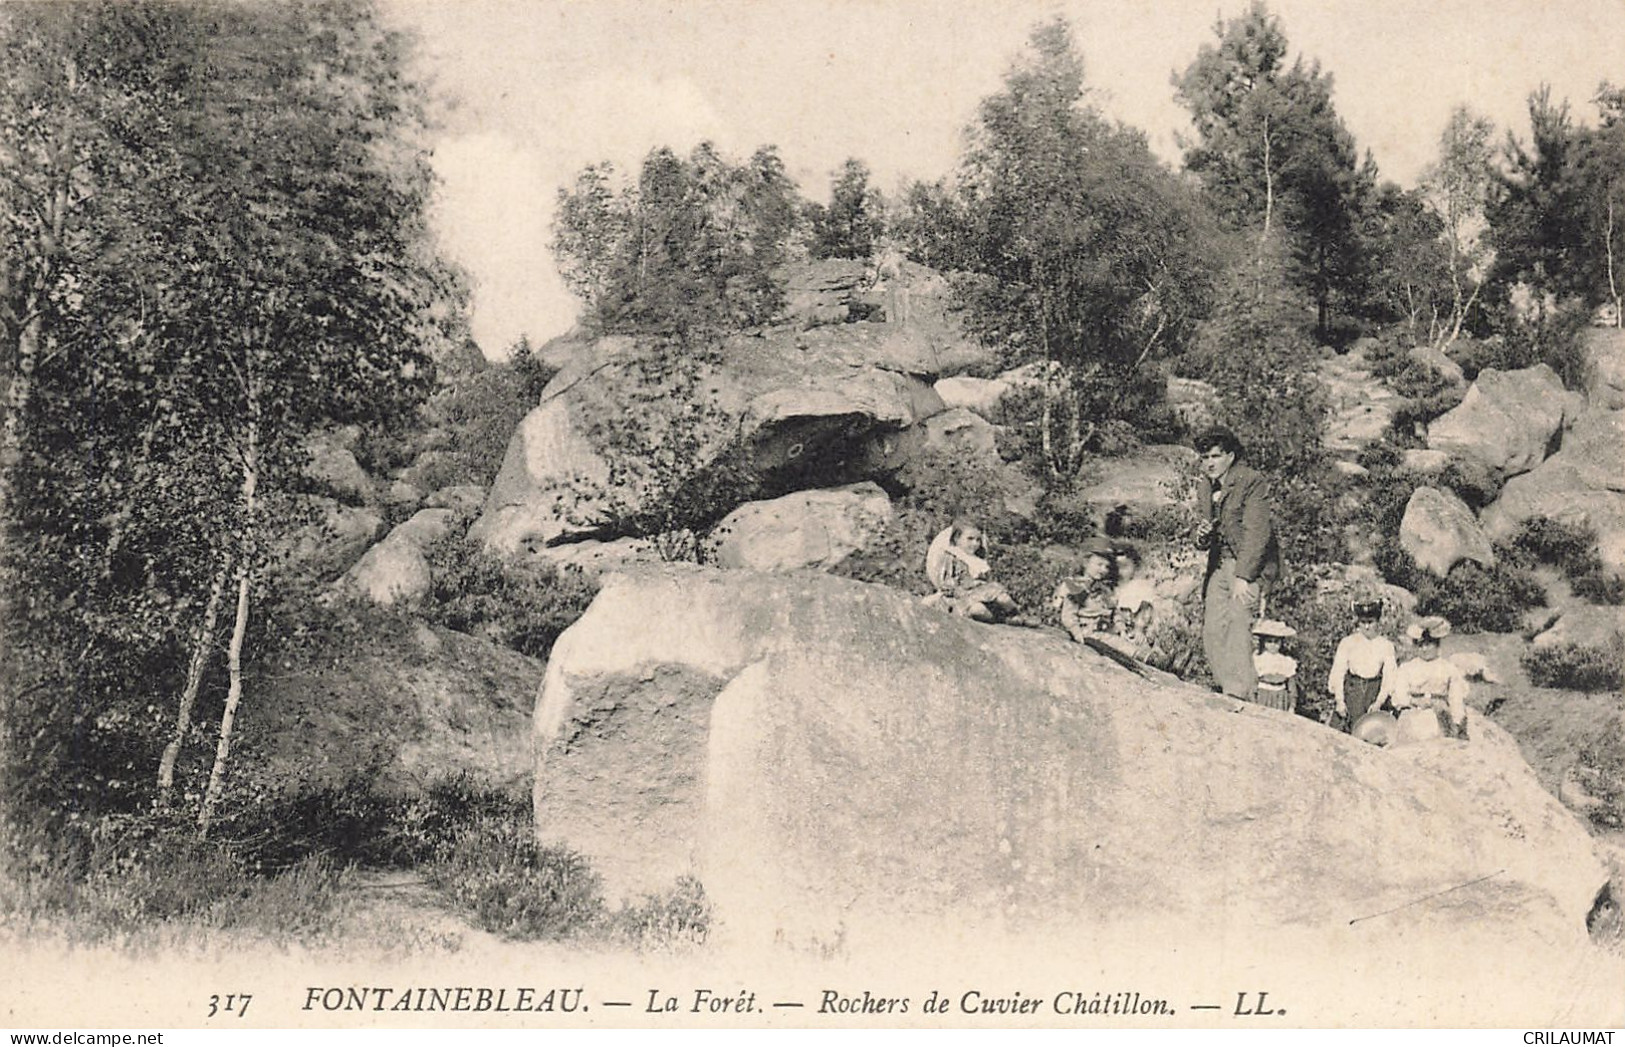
(812, 514)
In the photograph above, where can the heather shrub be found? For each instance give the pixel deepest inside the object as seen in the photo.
(1601, 764)
(521, 605)
(1577, 667)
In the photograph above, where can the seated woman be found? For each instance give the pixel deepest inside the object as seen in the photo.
(959, 574)
(1430, 692)
(1133, 617)
(1088, 601)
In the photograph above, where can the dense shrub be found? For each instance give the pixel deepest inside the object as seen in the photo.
(511, 886)
(1428, 394)
(1308, 517)
(1600, 586)
(481, 411)
(1553, 338)
(678, 919)
(1479, 599)
(1572, 548)
(119, 876)
(1577, 667)
(1601, 764)
(521, 605)
(1475, 483)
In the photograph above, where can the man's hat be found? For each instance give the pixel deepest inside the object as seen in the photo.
(1368, 609)
(1431, 629)
(1099, 547)
(1271, 627)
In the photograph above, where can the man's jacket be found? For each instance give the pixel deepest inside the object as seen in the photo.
(1241, 524)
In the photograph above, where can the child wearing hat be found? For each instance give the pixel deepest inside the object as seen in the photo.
(1365, 667)
(1086, 601)
(1277, 671)
(1428, 683)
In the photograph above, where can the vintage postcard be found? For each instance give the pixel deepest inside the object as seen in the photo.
(820, 514)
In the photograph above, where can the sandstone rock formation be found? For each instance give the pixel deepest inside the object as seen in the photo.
(794, 410)
(1439, 531)
(815, 529)
(1583, 483)
(1146, 479)
(396, 570)
(1507, 421)
(334, 466)
(841, 764)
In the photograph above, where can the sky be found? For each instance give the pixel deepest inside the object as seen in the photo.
(531, 91)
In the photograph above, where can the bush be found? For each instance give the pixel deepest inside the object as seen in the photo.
(1598, 586)
(1576, 667)
(121, 876)
(520, 605)
(1571, 547)
(1554, 338)
(482, 410)
(1476, 484)
(352, 823)
(676, 920)
(511, 886)
(1601, 764)
(1479, 599)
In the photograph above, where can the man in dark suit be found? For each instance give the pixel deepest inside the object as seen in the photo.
(1243, 558)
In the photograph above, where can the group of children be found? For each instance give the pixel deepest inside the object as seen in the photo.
(1380, 700)
(1108, 601)
(1376, 697)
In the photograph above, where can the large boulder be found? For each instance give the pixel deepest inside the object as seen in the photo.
(1508, 421)
(816, 529)
(396, 569)
(788, 409)
(841, 764)
(1584, 625)
(1439, 531)
(333, 466)
(400, 705)
(1194, 402)
(1146, 479)
(962, 433)
(335, 539)
(1583, 483)
(1436, 359)
(986, 395)
(1605, 367)
(823, 291)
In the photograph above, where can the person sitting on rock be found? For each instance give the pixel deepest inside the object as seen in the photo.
(1087, 601)
(1429, 691)
(955, 566)
(1365, 667)
(1277, 671)
(1133, 616)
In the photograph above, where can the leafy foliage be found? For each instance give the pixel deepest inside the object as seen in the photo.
(1254, 355)
(692, 247)
(524, 606)
(249, 262)
(854, 220)
(1080, 249)
(1271, 152)
(1577, 667)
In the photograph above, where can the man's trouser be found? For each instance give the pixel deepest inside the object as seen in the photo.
(1227, 632)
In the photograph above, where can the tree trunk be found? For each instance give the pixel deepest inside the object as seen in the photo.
(234, 654)
(201, 641)
(1613, 287)
(1269, 185)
